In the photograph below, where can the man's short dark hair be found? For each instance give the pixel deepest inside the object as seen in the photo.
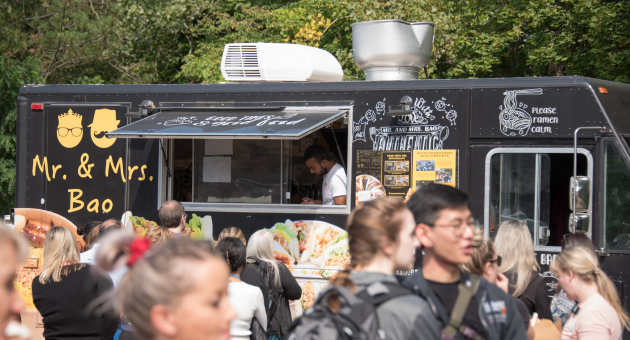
(170, 213)
(316, 151)
(108, 226)
(429, 200)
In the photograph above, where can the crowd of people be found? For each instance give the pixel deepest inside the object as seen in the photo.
(166, 286)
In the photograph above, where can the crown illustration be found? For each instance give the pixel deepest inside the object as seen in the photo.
(70, 119)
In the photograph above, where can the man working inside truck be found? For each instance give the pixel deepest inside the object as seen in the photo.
(334, 187)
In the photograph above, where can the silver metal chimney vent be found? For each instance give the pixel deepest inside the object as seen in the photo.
(392, 49)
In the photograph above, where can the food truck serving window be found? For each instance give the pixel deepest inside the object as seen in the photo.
(245, 159)
(273, 123)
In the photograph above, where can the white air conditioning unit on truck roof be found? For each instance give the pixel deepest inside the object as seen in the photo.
(260, 62)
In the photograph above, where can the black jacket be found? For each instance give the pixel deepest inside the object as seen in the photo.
(535, 297)
(64, 306)
(280, 322)
(498, 323)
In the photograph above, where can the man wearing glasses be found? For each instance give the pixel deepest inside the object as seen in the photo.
(173, 217)
(467, 306)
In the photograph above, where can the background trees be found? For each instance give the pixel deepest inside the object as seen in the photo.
(181, 41)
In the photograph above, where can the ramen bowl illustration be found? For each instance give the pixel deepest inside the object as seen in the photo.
(515, 121)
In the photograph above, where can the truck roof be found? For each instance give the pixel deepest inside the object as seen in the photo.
(430, 84)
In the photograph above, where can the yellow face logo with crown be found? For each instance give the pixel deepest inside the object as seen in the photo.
(69, 130)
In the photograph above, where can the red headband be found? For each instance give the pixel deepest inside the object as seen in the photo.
(137, 248)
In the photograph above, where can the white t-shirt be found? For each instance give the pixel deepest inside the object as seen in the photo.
(248, 302)
(334, 184)
(89, 257)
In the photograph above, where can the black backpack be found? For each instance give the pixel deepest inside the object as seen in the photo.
(355, 317)
(277, 323)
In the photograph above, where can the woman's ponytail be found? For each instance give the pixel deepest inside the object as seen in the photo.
(343, 280)
(608, 290)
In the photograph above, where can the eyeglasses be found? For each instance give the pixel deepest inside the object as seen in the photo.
(497, 260)
(64, 131)
(185, 216)
(458, 229)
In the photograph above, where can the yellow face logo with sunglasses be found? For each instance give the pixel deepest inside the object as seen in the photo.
(69, 130)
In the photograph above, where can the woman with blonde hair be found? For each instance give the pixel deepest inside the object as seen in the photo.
(599, 313)
(514, 244)
(275, 281)
(159, 234)
(232, 232)
(65, 291)
(176, 289)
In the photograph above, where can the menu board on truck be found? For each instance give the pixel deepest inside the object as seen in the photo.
(398, 174)
(434, 166)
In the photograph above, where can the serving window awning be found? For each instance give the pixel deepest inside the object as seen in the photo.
(283, 123)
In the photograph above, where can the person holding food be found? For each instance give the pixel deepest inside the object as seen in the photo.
(13, 251)
(247, 300)
(275, 281)
(173, 216)
(334, 186)
(174, 290)
(65, 290)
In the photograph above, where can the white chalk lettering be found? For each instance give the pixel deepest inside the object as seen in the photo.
(546, 120)
(544, 110)
(541, 129)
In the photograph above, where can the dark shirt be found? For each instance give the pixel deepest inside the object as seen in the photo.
(280, 321)
(535, 297)
(522, 310)
(447, 294)
(64, 306)
(292, 290)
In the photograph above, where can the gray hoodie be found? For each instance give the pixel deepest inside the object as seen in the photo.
(404, 317)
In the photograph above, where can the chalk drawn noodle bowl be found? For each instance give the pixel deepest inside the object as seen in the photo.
(515, 120)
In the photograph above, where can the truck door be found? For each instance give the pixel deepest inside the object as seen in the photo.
(532, 185)
(615, 217)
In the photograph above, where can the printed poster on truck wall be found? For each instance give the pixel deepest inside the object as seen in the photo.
(434, 166)
(397, 174)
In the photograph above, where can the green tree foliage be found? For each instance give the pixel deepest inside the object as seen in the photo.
(13, 74)
(181, 41)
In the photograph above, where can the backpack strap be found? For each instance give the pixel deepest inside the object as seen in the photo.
(467, 288)
(380, 292)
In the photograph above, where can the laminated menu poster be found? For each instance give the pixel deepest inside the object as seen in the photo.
(396, 173)
(434, 166)
(368, 176)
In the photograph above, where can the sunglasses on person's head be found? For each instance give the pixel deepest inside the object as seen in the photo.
(497, 260)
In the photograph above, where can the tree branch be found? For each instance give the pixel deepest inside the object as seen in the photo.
(125, 73)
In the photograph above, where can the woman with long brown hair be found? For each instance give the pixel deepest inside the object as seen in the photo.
(599, 313)
(382, 241)
(65, 291)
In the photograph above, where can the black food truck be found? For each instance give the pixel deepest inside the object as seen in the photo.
(232, 153)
